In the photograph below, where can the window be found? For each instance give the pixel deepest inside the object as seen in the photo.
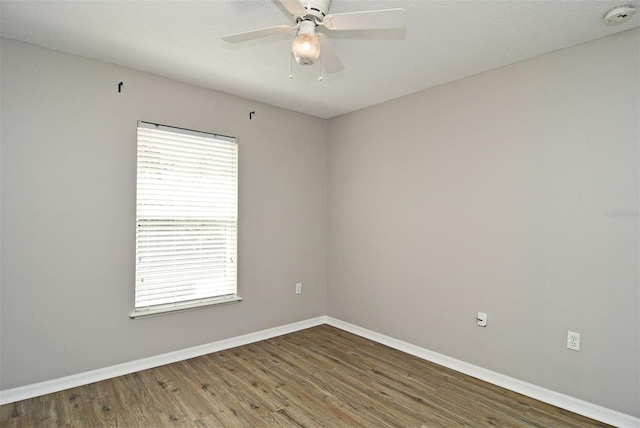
(186, 219)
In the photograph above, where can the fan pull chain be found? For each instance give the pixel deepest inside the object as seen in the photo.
(320, 76)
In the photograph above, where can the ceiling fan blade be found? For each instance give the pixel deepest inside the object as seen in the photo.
(255, 34)
(328, 57)
(367, 20)
(294, 7)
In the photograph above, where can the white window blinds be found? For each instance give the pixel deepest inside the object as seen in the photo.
(186, 218)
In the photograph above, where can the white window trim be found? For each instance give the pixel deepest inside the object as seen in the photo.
(187, 305)
(174, 308)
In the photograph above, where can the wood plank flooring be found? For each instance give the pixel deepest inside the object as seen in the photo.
(319, 377)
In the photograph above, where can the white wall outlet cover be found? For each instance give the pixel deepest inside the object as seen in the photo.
(573, 340)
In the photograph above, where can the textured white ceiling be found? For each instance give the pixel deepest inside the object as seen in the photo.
(444, 41)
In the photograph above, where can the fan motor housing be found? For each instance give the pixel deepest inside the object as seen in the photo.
(316, 9)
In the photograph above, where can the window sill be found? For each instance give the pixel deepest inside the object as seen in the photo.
(169, 309)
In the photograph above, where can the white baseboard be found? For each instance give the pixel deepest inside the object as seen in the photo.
(572, 404)
(575, 405)
(55, 385)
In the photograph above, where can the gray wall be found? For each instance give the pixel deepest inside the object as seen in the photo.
(68, 214)
(493, 194)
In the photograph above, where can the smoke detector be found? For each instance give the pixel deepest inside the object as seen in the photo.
(619, 15)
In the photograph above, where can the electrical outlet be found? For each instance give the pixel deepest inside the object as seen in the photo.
(573, 341)
(299, 288)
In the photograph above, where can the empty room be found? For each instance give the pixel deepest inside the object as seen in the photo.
(346, 213)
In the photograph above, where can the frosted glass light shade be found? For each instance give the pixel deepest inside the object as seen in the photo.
(305, 49)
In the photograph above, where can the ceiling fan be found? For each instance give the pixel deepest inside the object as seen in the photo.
(309, 44)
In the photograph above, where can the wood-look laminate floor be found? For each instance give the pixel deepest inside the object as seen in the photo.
(319, 377)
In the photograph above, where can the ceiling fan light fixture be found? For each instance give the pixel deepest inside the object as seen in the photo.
(310, 14)
(306, 47)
